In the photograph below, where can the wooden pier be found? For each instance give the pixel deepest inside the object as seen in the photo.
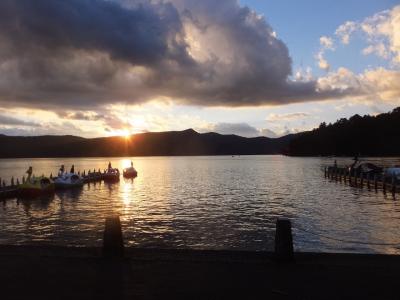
(11, 190)
(363, 180)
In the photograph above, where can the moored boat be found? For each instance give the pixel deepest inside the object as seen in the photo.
(35, 186)
(130, 172)
(68, 180)
(393, 172)
(111, 174)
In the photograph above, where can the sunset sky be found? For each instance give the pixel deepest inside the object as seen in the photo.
(251, 67)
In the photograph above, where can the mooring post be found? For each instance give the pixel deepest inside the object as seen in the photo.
(362, 179)
(325, 172)
(113, 244)
(368, 181)
(393, 185)
(12, 181)
(375, 182)
(384, 183)
(284, 241)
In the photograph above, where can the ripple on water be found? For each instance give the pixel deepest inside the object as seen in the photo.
(204, 203)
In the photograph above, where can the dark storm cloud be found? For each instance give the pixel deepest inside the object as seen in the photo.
(88, 53)
(139, 35)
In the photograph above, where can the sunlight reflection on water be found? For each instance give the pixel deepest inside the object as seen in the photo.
(203, 203)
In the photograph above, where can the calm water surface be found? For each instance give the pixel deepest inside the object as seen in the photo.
(204, 203)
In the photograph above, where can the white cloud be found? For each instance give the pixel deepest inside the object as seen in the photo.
(287, 117)
(326, 42)
(377, 84)
(381, 31)
(345, 30)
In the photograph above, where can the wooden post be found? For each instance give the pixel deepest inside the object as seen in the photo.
(325, 172)
(368, 180)
(17, 181)
(361, 179)
(375, 182)
(384, 183)
(113, 244)
(12, 181)
(393, 185)
(284, 241)
(344, 175)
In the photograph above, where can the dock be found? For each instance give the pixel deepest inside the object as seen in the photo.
(11, 190)
(362, 180)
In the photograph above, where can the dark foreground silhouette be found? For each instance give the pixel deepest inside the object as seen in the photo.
(61, 273)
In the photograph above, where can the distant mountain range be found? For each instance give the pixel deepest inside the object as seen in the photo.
(171, 143)
(365, 136)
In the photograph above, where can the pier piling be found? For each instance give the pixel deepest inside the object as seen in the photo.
(113, 245)
(393, 185)
(384, 184)
(361, 179)
(284, 241)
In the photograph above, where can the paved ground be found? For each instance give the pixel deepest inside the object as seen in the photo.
(61, 273)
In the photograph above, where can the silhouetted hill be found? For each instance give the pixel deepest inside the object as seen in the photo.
(367, 136)
(187, 142)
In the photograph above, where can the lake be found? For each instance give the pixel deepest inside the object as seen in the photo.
(213, 202)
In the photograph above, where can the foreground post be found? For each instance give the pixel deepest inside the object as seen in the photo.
(393, 185)
(284, 241)
(113, 245)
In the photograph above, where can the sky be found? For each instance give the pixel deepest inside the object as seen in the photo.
(251, 67)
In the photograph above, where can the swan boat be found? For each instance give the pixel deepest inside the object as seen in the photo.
(35, 186)
(111, 174)
(130, 172)
(67, 180)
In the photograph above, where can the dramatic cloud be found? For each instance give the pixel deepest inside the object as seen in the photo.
(86, 53)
